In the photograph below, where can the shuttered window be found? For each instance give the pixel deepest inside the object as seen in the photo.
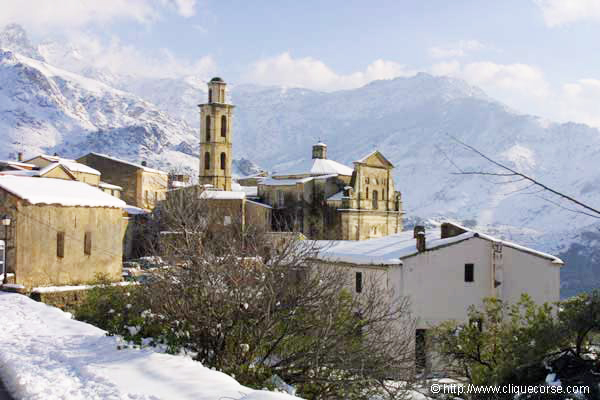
(87, 243)
(60, 244)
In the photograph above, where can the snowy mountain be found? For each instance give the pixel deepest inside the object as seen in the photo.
(73, 107)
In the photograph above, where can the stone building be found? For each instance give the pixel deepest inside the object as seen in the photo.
(444, 272)
(80, 172)
(328, 200)
(216, 137)
(142, 186)
(61, 232)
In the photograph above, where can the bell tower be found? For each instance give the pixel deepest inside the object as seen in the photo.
(216, 137)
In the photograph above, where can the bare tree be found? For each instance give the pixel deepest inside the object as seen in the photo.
(256, 304)
(513, 176)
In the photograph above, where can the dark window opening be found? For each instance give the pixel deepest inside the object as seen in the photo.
(469, 273)
(207, 160)
(367, 196)
(210, 95)
(359, 282)
(87, 243)
(223, 160)
(420, 349)
(207, 128)
(60, 244)
(223, 126)
(375, 199)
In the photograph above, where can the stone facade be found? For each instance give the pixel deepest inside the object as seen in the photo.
(143, 187)
(216, 137)
(332, 201)
(81, 175)
(37, 231)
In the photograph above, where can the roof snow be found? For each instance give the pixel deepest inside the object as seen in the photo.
(105, 185)
(147, 169)
(222, 195)
(318, 166)
(71, 165)
(336, 197)
(58, 191)
(390, 250)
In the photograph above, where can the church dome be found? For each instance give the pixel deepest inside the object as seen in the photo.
(217, 79)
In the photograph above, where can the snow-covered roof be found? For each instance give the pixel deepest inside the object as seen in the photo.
(318, 166)
(39, 172)
(17, 164)
(58, 191)
(105, 185)
(279, 182)
(336, 197)
(259, 204)
(72, 165)
(147, 169)
(390, 250)
(251, 191)
(222, 195)
(133, 210)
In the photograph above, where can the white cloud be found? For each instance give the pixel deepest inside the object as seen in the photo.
(459, 49)
(580, 102)
(41, 15)
(521, 86)
(562, 12)
(185, 8)
(87, 51)
(307, 72)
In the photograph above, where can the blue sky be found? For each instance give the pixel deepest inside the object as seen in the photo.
(537, 56)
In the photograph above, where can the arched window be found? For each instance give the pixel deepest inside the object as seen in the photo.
(367, 193)
(223, 126)
(223, 160)
(222, 95)
(207, 128)
(210, 95)
(375, 198)
(207, 160)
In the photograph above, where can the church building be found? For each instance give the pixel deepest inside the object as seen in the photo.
(322, 199)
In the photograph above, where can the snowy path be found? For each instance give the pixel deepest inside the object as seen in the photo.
(45, 355)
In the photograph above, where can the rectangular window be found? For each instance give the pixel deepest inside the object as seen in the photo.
(147, 196)
(420, 349)
(359, 282)
(469, 273)
(87, 243)
(280, 198)
(60, 244)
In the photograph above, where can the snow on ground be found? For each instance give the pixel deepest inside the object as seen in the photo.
(46, 355)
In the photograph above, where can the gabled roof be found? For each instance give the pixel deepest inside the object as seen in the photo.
(392, 249)
(41, 172)
(139, 166)
(72, 165)
(377, 154)
(58, 192)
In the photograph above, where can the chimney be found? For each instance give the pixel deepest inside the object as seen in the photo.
(319, 150)
(20, 157)
(144, 163)
(451, 230)
(55, 154)
(419, 234)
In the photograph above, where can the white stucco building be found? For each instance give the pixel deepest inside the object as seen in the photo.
(445, 271)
